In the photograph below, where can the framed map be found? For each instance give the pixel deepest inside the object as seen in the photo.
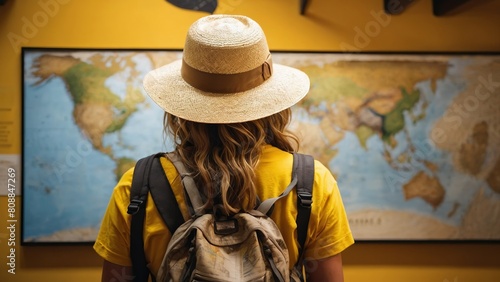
(413, 139)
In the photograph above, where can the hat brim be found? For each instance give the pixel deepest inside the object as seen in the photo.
(283, 89)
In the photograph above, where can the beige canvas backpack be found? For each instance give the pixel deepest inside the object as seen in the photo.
(245, 247)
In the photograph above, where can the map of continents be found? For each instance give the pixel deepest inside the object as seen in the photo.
(412, 143)
(86, 121)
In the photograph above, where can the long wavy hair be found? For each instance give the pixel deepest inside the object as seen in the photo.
(223, 157)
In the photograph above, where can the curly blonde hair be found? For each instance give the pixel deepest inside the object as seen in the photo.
(223, 157)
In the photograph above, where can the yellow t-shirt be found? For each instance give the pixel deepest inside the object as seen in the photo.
(328, 233)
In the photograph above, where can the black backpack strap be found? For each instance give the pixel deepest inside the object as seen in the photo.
(303, 166)
(164, 198)
(165, 201)
(137, 208)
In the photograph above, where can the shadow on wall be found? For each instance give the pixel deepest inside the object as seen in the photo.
(476, 254)
(453, 253)
(51, 256)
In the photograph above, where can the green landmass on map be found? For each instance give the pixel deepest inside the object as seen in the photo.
(371, 99)
(394, 121)
(97, 110)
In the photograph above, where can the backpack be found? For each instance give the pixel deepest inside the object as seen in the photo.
(245, 247)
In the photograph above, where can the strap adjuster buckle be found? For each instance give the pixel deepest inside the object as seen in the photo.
(305, 199)
(134, 206)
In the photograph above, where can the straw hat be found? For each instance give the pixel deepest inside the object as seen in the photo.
(226, 75)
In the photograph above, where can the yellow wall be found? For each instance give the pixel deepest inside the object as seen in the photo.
(329, 25)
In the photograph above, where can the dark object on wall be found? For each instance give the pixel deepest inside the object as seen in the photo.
(395, 7)
(303, 5)
(2, 2)
(208, 6)
(441, 7)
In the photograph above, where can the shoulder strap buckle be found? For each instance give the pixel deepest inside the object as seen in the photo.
(134, 206)
(305, 199)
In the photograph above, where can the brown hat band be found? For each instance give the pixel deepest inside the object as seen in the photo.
(227, 83)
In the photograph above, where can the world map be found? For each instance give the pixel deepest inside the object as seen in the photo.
(413, 140)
